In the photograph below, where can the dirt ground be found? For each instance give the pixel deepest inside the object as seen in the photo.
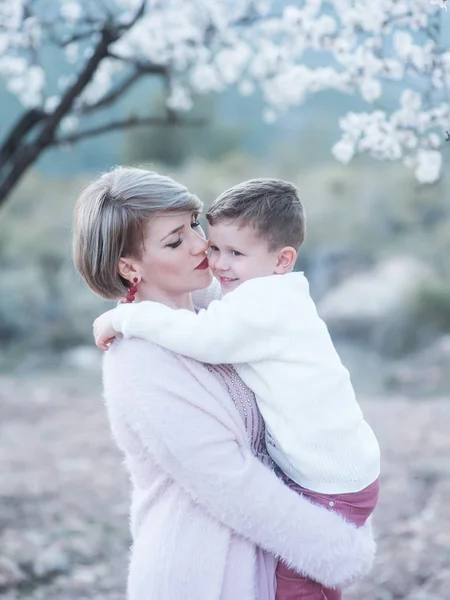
(64, 495)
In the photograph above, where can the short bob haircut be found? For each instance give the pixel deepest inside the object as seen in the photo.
(271, 206)
(110, 219)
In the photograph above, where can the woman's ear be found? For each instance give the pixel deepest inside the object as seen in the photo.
(286, 258)
(128, 269)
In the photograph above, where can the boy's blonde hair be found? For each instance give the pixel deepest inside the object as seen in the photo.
(110, 220)
(272, 206)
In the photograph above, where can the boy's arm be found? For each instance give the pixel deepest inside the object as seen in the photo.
(243, 327)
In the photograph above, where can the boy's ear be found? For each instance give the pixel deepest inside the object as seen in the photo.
(286, 258)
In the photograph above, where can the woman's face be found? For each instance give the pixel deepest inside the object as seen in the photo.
(174, 261)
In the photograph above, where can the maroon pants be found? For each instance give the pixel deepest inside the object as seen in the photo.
(356, 508)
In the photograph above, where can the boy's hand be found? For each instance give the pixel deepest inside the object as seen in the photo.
(103, 330)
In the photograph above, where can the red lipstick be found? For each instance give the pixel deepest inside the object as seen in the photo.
(203, 265)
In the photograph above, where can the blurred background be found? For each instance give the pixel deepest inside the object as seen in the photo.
(376, 255)
(376, 251)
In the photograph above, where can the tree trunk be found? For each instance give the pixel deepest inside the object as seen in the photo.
(17, 154)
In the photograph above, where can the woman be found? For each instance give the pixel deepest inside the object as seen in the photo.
(208, 516)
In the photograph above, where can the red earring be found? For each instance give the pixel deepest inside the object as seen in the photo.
(131, 291)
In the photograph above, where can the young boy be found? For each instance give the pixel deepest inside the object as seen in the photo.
(267, 325)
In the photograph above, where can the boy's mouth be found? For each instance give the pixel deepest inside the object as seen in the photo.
(226, 280)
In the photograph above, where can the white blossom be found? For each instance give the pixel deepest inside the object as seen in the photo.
(103, 79)
(411, 100)
(51, 103)
(71, 10)
(72, 52)
(206, 78)
(179, 98)
(370, 89)
(269, 116)
(434, 140)
(441, 3)
(232, 61)
(344, 150)
(246, 87)
(292, 15)
(403, 43)
(69, 124)
(360, 48)
(428, 166)
(27, 85)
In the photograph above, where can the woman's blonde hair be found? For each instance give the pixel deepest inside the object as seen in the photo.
(110, 218)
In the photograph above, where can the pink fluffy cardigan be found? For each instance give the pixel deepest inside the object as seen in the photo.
(201, 502)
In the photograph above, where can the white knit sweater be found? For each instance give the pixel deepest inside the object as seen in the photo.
(269, 328)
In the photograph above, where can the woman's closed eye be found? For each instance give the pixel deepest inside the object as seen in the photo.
(195, 223)
(175, 244)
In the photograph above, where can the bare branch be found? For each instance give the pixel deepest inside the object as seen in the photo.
(76, 37)
(145, 67)
(114, 94)
(134, 121)
(140, 70)
(18, 133)
(108, 37)
(88, 27)
(17, 163)
(29, 153)
(140, 13)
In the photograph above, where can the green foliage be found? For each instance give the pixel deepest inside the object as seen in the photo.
(433, 306)
(42, 301)
(417, 322)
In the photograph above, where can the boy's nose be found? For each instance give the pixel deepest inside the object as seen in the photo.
(221, 264)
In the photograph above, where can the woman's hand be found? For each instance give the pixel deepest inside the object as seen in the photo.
(103, 330)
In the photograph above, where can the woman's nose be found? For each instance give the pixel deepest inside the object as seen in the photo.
(201, 244)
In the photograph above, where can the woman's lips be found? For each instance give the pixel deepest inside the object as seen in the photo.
(203, 265)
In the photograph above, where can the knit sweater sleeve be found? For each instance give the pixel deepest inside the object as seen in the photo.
(245, 326)
(179, 424)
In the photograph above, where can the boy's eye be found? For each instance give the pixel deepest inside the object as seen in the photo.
(214, 248)
(175, 244)
(236, 253)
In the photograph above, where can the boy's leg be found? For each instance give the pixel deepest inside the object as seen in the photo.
(293, 586)
(355, 507)
(332, 594)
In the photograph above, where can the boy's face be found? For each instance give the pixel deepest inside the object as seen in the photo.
(237, 254)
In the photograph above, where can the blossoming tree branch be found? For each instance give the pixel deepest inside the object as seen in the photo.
(371, 49)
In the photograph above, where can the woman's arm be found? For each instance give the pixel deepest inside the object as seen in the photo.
(172, 414)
